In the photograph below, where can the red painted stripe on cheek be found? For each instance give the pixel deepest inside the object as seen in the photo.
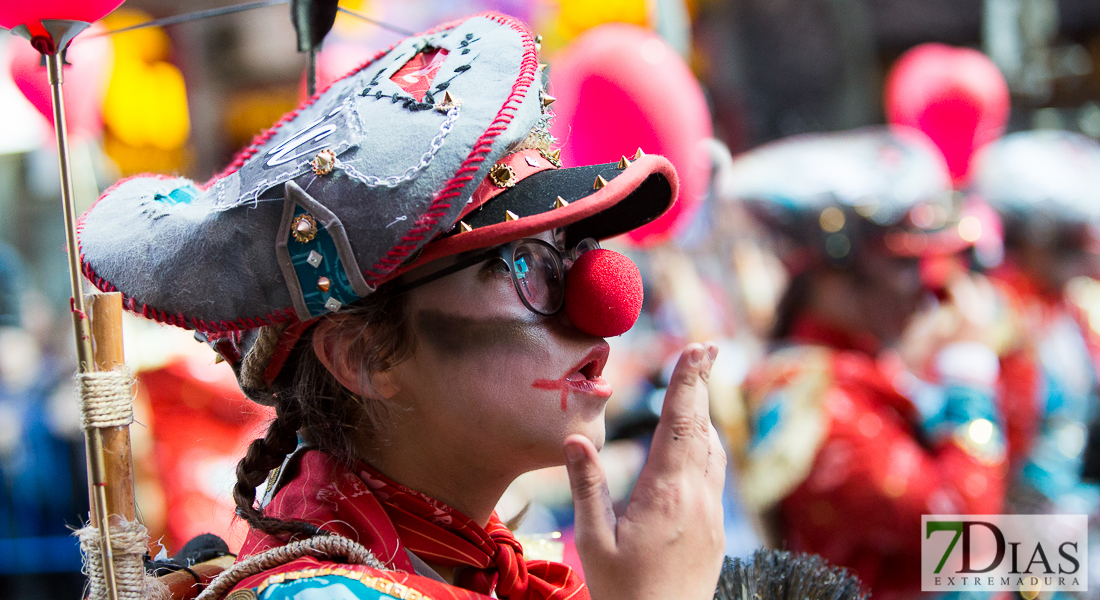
(555, 384)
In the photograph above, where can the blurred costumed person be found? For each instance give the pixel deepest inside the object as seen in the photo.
(387, 268)
(1046, 187)
(855, 435)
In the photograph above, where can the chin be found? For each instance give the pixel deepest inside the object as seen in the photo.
(594, 431)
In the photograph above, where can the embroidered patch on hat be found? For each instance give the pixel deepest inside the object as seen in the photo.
(371, 149)
(390, 167)
(416, 76)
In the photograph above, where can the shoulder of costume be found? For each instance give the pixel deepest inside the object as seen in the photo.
(322, 580)
(786, 368)
(788, 420)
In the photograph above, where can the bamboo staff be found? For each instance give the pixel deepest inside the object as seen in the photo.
(107, 410)
(93, 438)
(105, 311)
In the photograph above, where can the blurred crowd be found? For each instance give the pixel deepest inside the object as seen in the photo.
(908, 312)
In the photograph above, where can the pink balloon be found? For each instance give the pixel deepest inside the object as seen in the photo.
(84, 82)
(619, 88)
(31, 12)
(956, 96)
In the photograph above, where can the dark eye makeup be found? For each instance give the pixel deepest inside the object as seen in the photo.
(496, 266)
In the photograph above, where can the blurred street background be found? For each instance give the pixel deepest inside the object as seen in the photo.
(182, 99)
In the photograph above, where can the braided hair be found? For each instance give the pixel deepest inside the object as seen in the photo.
(312, 405)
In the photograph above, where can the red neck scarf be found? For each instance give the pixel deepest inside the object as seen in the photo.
(388, 517)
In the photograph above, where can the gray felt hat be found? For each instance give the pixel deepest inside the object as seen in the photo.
(438, 146)
(832, 192)
(1045, 174)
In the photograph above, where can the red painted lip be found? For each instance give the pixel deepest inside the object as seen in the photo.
(598, 387)
(591, 366)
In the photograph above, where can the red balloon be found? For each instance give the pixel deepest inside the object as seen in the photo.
(619, 88)
(956, 96)
(85, 81)
(14, 13)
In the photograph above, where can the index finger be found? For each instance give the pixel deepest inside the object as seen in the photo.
(684, 428)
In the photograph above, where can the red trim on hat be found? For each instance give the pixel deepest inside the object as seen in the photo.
(287, 340)
(453, 188)
(917, 244)
(385, 267)
(611, 194)
(210, 328)
(521, 169)
(262, 138)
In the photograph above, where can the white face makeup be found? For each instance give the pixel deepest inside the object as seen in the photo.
(491, 378)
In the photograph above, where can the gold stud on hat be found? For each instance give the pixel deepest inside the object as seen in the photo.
(502, 175)
(304, 228)
(554, 157)
(447, 103)
(323, 284)
(324, 162)
(464, 227)
(638, 154)
(510, 216)
(547, 100)
(623, 162)
(599, 183)
(560, 203)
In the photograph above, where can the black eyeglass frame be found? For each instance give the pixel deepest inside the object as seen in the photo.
(507, 253)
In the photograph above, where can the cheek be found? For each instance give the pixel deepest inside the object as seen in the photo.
(473, 361)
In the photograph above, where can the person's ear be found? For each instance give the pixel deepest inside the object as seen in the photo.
(330, 346)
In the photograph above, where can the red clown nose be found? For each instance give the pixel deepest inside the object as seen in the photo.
(603, 293)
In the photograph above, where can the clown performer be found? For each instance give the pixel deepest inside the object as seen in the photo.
(387, 267)
(850, 445)
(1046, 187)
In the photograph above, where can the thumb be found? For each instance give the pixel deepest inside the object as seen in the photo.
(593, 514)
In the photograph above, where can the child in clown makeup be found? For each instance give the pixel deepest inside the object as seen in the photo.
(425, 337)
(456, 413)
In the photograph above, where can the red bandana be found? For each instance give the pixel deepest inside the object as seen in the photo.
(387, 518)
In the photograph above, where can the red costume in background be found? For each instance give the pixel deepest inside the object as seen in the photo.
(846, 464)
(1050, 392)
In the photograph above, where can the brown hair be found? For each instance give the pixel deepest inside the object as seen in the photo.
(374, 335)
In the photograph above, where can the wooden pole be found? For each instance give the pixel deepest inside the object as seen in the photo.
(93, 439)
(105, 311)
(183, 584)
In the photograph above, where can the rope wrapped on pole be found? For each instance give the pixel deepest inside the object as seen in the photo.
(107, 409)
(106, 398)
(128, 540)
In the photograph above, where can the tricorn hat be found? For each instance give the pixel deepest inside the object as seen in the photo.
(1044, 174)
(437, 146)
(831, 193)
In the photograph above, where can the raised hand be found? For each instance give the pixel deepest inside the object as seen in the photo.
(669, 542)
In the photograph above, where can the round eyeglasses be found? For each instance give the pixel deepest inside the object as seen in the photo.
(537, 269)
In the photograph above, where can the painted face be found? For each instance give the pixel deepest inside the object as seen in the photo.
(491, 378)
(890, 292)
